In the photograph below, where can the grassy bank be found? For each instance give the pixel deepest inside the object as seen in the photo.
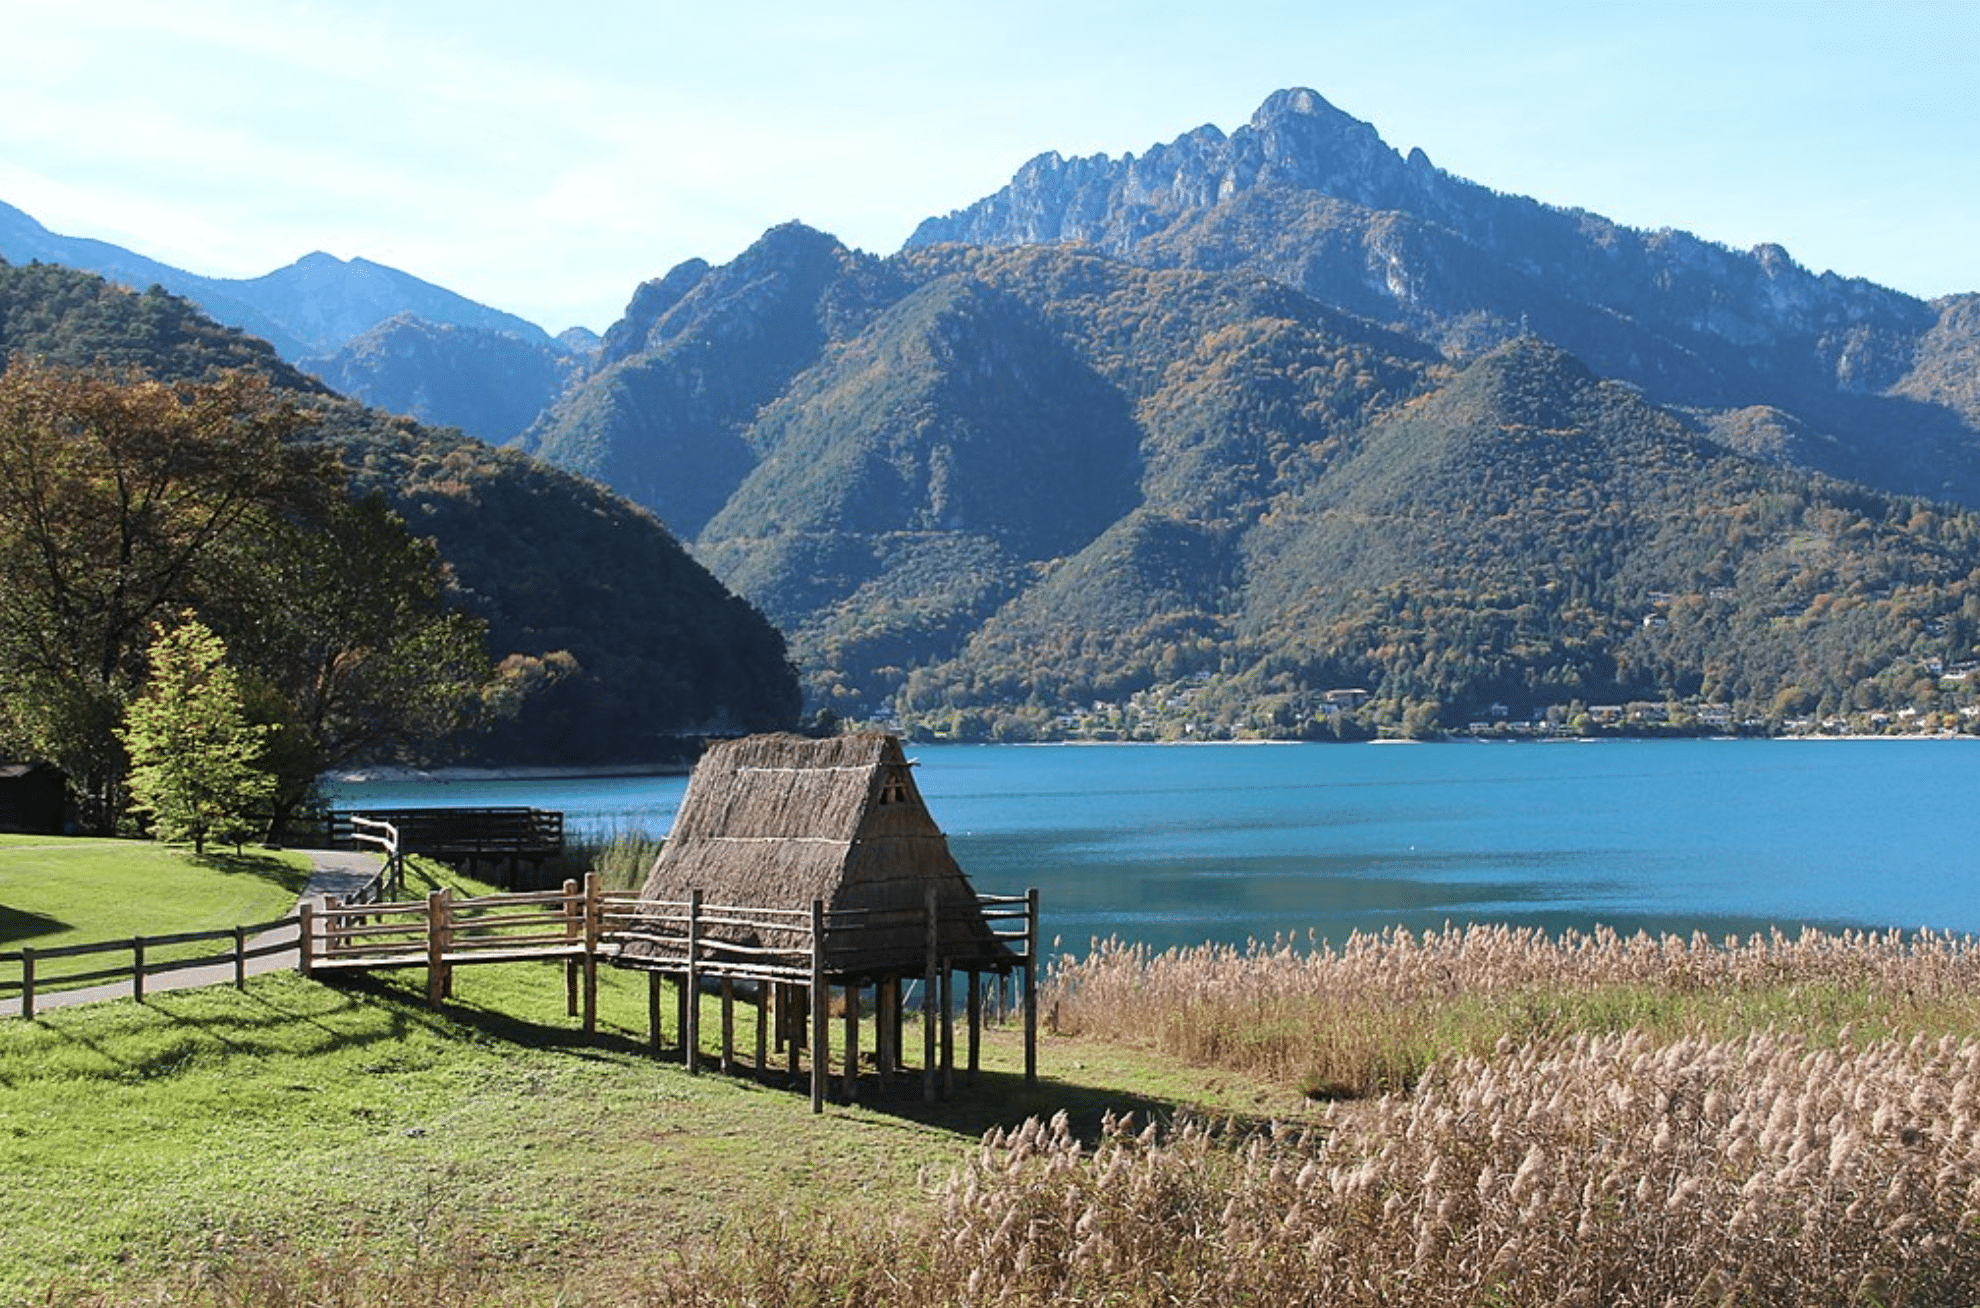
(59, 890)
(304, 1143)
(1470, 1118)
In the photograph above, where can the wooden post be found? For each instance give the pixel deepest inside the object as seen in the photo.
(728, 1025)
(948, 1033)
(791, 1015)
(653, 1011)
(691, 1029)
(594, 908)
(821, 1034)
(852, 1041)
(240, 958)
(762, 1029)
(573, 930)
(27, 982)
(929, 999)
(886, 1037)
(898, 1008)
(1031, 987)
(975, 1002)
(681, 1012)
(137, 968)
(437, 906)
(306, 938)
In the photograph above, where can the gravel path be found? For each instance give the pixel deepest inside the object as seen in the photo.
(332, 872)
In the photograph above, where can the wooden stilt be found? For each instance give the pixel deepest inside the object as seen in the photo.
(899, 1011)
(886, 1036)
(794, 1007)
(691, 1029)
(975, 1024)
(681, 1014)
(1031, 987)
(948, 1008)
(653, 1011)
(821, 1027)
(928, 1001)
(762, 1028)
(728, 1025)
(852, 1041)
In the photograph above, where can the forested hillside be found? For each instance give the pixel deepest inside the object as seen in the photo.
(1040, 492)
(612, 642)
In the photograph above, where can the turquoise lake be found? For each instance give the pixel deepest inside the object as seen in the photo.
(1176, 845)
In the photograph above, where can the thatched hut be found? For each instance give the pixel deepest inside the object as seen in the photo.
(776, 822)
(778, 832)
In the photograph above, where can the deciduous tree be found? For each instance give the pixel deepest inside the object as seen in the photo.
(196, 761)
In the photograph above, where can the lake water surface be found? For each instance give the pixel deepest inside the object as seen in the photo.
(1176, 845)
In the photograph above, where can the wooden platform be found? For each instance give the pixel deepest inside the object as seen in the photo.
(467, 837)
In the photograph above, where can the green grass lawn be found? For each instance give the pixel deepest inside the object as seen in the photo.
(300, 1125)
(58, 890)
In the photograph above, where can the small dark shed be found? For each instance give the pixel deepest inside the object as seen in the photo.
(34, 798)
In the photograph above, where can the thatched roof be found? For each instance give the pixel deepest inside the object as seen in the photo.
(778, 821)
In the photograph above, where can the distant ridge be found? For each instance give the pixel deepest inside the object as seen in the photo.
(309, 309)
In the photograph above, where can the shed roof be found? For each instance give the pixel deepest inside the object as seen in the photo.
(778, 821)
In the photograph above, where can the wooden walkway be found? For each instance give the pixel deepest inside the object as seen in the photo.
(338, 928)
(583, 924)
(505, 838)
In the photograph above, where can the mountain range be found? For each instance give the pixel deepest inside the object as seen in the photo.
(1281, 432)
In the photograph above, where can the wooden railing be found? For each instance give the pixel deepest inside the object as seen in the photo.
(581, 923)
(450, 833)
(36, 980)
(391, 879)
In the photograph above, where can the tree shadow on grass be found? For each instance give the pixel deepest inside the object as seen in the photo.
(994, 1098)
(25, 924)
(252, 863)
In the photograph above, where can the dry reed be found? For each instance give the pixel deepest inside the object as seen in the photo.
(1603, 1170)
(1368, 1017)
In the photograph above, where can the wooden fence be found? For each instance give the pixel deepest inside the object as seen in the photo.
(679, 939)
(391, 879)
(142, 961)
(581, 924)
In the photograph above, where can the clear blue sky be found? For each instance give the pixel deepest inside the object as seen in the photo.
(547, 157)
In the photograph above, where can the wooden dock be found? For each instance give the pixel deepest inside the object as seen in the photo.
(466, 838)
